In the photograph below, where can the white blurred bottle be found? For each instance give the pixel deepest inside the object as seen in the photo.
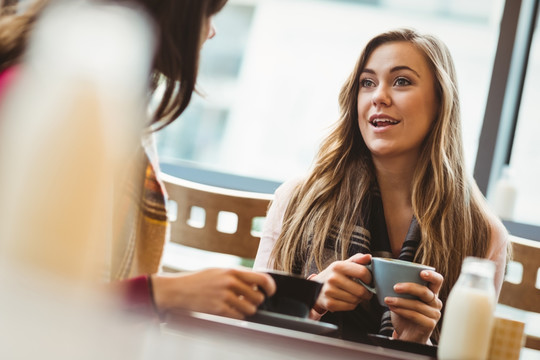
(504, 197)
(72, 119)
(469, 314)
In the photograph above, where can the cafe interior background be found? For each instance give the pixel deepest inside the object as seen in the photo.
(270, 81)
(268, 88)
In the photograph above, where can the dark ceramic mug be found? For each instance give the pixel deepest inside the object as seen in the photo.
(294, 296)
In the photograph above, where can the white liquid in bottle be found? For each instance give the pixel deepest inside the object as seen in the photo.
(504, 198)
(468, 318)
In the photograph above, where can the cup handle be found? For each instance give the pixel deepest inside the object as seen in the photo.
(369, 288)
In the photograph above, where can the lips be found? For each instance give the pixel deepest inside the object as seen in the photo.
(382, 121)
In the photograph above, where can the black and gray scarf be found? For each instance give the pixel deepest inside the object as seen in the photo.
(369, 239)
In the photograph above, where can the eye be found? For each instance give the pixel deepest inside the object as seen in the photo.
(367, 83)
(401, 81)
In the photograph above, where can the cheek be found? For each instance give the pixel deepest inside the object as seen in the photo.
(363, 106)
(424, 108)
(432, 109)
(361, 113)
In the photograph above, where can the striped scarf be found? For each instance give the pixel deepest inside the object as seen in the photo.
(370, 239)
(142, 228)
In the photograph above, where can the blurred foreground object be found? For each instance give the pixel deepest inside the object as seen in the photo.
(469, 315)
(506, 339)
(67, 127)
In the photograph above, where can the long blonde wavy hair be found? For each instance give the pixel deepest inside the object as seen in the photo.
(450, 209)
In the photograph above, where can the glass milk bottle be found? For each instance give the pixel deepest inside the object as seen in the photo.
(468, 318)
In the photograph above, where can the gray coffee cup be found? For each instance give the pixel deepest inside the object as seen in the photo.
(388, 272)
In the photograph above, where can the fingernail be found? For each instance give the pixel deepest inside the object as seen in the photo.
(425, 273)
(397, 287)
(389, 300)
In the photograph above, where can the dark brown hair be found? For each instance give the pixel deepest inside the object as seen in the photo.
(15, 30)
(176, 62)
(180, 24)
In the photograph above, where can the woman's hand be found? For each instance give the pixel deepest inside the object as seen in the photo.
(414, 320)
(340, 292)
(227, 292)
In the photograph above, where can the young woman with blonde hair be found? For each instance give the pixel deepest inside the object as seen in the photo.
(389, 180)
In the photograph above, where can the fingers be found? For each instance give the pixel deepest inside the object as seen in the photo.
(434, 279)
(241, 295)
(351, 269)
(261, 280)
(335, 300)
(247, 284)
(234, 309)
(426, 311)
(423, 316)
(340, 292)
(240, 306)
(362, 259)
(423, 293)
(351, 290)
(430, 310)
(337, 293)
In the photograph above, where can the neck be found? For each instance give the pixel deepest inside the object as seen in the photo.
(395, 177)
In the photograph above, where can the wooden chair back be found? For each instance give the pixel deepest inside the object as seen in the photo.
(525, 295)
(213, 200)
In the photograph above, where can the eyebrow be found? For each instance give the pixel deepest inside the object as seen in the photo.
(394, 69)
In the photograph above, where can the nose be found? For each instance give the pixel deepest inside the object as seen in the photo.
(211, 31)
(381, 96)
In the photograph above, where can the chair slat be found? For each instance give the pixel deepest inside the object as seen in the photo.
(525, 295)
(246, 205)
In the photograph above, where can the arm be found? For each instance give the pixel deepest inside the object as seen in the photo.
(136, 295)
(233, 293)
(273, 224)
(498, 251)
(339, 291)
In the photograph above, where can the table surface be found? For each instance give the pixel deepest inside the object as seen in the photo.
(204, 336)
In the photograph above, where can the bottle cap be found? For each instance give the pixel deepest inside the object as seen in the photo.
(478, 266)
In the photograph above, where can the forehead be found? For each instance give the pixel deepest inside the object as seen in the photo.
(400, 53)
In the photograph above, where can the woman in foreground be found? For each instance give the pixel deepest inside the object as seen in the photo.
(182, 28)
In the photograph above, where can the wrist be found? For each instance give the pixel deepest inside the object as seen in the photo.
(417, 339)
(159, 293)
(317, 311)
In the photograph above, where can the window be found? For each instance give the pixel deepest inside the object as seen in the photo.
(273, 74)
(525, 152)
(509, 122)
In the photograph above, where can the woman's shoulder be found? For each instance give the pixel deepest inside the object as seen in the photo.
(284, 193)
(499, 235)
(286, 189)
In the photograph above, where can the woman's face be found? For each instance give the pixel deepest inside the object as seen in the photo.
(397, 102)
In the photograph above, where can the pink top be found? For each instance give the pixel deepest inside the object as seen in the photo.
(6, 79)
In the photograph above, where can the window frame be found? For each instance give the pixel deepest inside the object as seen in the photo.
(504, 99)
(501, 113)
